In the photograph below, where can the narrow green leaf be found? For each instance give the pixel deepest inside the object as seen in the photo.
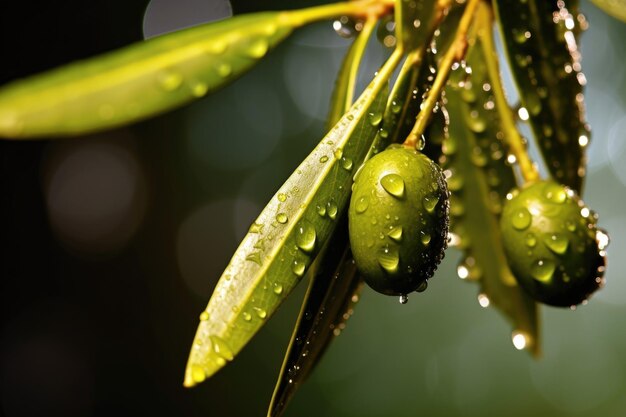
(287, 236)
(615, 8)
(416, 21)
(545, 61)
(332, 294)
(140, 80)
(343, 94)
(479, 179)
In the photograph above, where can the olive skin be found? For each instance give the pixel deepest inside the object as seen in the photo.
(398, 220)
(550, 239)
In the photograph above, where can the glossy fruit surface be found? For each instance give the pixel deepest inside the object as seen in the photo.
(398, 220)
(552, 243)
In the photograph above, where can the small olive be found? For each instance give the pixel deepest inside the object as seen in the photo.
(398, 220)
(552, 243)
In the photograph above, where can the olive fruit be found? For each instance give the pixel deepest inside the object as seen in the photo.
(552, 243)
(398, 220)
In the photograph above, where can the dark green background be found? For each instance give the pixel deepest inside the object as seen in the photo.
(103, 327)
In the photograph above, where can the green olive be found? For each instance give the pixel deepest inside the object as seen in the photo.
(398, 219)
(552, 243)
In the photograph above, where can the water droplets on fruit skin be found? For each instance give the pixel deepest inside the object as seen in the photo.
(521, 219)
(393, 184)
(362, 204)
(543, 270)
(389, 259)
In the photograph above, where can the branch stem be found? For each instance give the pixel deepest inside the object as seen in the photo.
(455, 52)
(511, 134)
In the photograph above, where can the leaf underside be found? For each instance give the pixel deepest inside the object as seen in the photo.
(545, 62)
(329, 303)
(139, 81)
(285, 239)
(474, 154)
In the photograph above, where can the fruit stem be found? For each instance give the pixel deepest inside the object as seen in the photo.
(360, 8)
(455, 52)
(512, 136)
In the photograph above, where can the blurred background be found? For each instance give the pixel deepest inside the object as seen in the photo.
(111, 246)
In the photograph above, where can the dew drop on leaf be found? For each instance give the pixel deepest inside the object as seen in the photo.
(221, 348)
(305, 236)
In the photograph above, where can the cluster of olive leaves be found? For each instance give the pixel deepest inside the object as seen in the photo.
(525, 240)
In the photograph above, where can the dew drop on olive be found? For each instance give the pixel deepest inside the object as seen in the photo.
(398, 220)
(552, 243)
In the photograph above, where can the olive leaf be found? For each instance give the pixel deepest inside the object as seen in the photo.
(416, 21)
(140, 80)
(343, 93)
(285, 239)
(545, 61)
(615, 8)
(329, 302)
(479, 179)
(332, 281)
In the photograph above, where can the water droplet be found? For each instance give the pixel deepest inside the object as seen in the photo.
(217, 47)
(321, 210)
(483, 300)
(543, 270)
(362, 204)
(324, 159)
(221, 348)
(224, 70)
(256, 228)
(346, 163)
(331, 209)
(531, 240)
(519, 340)
(255, 257)
(345, 26)
(258, 49)
(170, 80)
(603, 239)
(260, 312)
(298, 268)
(396, 233)
(393, 184)
(389, 259)
(305, 236)
(557, 243)
(404, 299)
(571, 226)
(247, 316)
(204, 316)
(338, 153)
(556, 194)
(278, 288)
(521, 219)
(429, 203)
(282, 218)
(422, 287)
(375, 118)
(197, 374)
(199, 89)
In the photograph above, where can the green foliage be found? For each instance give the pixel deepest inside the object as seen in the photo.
(469, 130)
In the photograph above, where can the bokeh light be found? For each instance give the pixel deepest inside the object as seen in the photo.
(95, 193)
